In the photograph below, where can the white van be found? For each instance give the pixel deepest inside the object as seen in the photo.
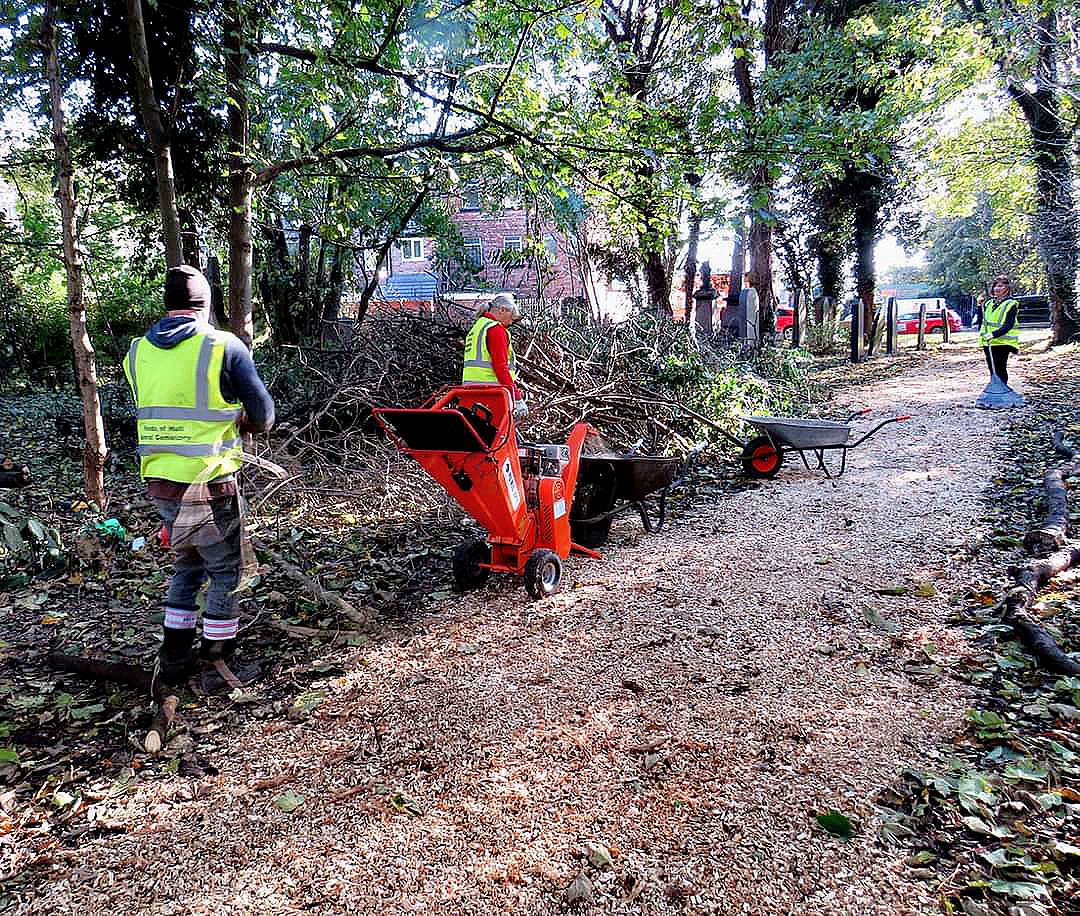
(934, 305)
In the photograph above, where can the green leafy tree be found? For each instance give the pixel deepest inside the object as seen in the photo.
(1033, 46)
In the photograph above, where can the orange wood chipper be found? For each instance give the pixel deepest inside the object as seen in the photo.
(465, 438)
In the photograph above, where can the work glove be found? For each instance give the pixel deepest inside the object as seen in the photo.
(521, 409)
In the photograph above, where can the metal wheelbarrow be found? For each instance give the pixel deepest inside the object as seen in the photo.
(763, 456)
(610, 484)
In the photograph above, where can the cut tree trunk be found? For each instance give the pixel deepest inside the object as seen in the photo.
(134, 676)
(10, 478)
(1051, 533)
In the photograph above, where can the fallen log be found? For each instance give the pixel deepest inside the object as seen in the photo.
(1029, 579)
(1058, 437)
(134, 676)
(11, 478)
(1052, 531)
(1050, 535)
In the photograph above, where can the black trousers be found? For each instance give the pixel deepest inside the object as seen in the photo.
(997, 359)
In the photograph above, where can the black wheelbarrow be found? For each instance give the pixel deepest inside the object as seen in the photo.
(609, 485)
(763, 456)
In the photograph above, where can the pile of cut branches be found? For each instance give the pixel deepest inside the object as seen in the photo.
(645, 380)
(645, 383)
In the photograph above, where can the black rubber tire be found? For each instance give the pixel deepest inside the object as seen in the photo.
(468, 555)
(543, 573)
(761, 459)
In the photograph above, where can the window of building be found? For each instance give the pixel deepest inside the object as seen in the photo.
(412, 249)
(512, 243)
(474, 253)
(470, 200)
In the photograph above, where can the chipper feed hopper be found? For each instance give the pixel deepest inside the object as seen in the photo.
(521, 494)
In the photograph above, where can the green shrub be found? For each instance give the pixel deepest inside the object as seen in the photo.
(827, 338)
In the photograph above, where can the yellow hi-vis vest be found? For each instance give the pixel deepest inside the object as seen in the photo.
(477, 369)
(994, 315)
(187, 431)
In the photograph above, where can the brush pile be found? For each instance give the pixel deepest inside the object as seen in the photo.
(644, 382)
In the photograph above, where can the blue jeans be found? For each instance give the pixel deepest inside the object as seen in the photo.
(215, 553)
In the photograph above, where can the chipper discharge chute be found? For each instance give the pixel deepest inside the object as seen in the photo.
(465, 438)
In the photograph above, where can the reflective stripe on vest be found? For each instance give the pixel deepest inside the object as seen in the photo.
(477, 368)
(187, 430)
(994, 315)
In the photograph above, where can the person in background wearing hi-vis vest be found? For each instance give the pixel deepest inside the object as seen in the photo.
(196, 394)
(999, 332)
(489, 352)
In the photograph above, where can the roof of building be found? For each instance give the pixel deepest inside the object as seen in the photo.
(419, 286)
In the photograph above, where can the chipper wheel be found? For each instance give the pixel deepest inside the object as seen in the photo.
(543, 573)
(761, 458)
(468, 573)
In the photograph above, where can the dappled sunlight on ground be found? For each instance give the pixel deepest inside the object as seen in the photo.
(683, 709)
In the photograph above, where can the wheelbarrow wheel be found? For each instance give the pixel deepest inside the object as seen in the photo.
(761, 459)
(543, 573)
(468, 557)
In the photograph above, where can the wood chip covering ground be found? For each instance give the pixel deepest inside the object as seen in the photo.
(678, 714)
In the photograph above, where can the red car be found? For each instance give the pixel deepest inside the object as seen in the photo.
(785, 319)
(908, 322)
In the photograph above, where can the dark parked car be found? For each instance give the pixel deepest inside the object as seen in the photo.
(1034, 310)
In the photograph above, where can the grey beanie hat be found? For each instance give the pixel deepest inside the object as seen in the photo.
(186, 288)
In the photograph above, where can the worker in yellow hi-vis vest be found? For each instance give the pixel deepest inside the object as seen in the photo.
(489, 351)
(196, 393)
(999, 332)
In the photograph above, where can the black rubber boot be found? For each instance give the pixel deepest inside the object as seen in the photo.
(210, 650)
(176, 657)
(218, 653)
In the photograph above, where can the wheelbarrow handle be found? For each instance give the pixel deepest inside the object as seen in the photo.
(875, 429)
(858, 413)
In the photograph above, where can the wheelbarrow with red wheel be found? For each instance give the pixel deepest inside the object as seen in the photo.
(763, 455)
(465, 438)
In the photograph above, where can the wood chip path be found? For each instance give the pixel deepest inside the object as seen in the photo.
(680, 713)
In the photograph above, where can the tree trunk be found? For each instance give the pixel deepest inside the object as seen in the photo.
(830, 272)
(241, 179)
(189, 239)
(761, 274)
(95, 452)
(657, 282)
(693, 236)
(762, 182)
(866, 235)
(217, 295)
(384, 250)
(738, 262)
(690, 271)
(332, 301)
(1055, 221)
(156, 133)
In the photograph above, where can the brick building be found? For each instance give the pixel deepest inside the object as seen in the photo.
(508, 249)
